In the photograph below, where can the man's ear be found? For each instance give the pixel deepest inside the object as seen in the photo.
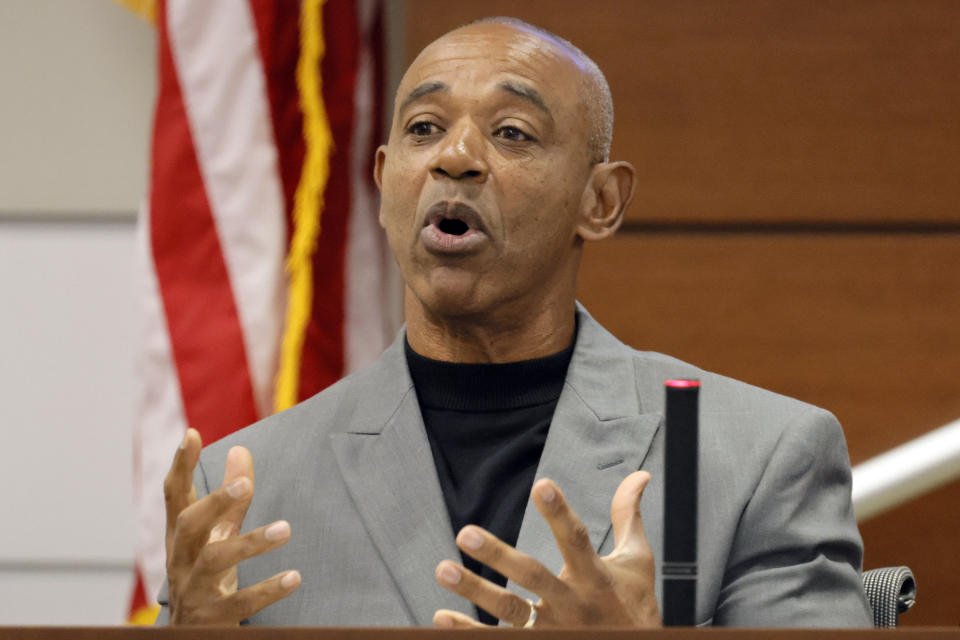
(605, 199)
(379, 161)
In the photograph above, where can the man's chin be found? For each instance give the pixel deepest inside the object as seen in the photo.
(453, 295)
(452, 304)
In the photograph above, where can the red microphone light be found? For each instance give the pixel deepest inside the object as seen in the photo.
(682, 384)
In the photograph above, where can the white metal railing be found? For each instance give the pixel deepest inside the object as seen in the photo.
(906, 472)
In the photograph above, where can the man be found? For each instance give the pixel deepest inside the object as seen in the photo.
(495, 173)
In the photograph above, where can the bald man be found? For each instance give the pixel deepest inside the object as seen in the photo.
(502, 461)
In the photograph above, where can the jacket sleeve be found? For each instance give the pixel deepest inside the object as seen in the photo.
(797, 553)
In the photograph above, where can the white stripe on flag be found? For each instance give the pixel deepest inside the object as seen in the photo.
(160, 421)
(369, 321)
(215, 52)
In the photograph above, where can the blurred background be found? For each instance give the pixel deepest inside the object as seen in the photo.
(796, 226)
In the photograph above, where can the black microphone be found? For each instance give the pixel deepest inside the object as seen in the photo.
(680, 503)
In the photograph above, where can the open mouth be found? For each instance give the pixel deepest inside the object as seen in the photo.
(453, 226)
(454, 218)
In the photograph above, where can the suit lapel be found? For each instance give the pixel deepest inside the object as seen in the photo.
(600, 434)
(386, 462)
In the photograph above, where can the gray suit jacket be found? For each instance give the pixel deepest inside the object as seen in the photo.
(352, 471)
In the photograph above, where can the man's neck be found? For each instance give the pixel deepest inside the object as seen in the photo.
(494, 337)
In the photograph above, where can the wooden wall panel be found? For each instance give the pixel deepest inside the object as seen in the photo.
(922, 534)
(757, 110)
(862, 324)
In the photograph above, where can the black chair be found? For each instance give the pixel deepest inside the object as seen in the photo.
(890, 591)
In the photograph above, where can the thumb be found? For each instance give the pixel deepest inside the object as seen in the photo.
(625, 512)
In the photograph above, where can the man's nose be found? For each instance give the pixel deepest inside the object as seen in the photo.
(462, 154)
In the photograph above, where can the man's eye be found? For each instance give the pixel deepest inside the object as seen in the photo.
(512, 133)
(422, 128)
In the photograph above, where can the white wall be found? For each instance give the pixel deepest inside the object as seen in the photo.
(77, 86)
(76, 96)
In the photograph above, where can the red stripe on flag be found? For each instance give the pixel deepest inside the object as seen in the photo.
(376, 43)
(278, 37)
(323, 349)
(205, 331)
(138, 599)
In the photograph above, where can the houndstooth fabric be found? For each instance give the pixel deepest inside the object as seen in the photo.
(890, 591)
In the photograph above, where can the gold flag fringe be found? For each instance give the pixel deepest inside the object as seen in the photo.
(146, 9)
(308, 202)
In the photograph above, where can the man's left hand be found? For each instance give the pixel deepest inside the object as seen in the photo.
(616, 590)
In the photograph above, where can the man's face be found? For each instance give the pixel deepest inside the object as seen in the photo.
(484, 171)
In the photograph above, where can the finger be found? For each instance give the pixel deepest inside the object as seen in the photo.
(501, 557)
(493, 598)
(446, 619)
(628, 534)
(239, 465)
(178, 491)
(195, 523)
(572, 536)
(225, 554)
(246, 602)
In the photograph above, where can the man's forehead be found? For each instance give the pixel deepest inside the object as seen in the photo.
(508, 54)
(517, 88)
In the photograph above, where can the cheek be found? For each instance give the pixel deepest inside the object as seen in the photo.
(398, 198)
(545, 218)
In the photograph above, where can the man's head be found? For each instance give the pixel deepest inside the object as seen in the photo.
(496, 170)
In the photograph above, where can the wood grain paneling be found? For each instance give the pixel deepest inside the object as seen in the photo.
(862, 324)
(767, 109)
(922, 534)
(865, 325)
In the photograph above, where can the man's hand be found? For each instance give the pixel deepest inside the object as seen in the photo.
(613, 591)
(204, 548)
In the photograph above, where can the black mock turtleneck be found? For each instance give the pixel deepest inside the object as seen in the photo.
(487, 424)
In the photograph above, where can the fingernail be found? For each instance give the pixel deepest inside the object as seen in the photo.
(444, 622)
(547, 494)
(449, 574)
(291, 580)
(183, 440)
(471, 539)
(238, 488)
(277, 531)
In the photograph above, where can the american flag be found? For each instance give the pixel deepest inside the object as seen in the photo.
(265, 276)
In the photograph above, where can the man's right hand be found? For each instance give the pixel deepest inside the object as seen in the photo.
(204, 545)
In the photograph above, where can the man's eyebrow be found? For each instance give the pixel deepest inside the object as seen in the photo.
(528, 93)
(424, 89)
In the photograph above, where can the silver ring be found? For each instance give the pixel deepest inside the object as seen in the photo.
(532, 618)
